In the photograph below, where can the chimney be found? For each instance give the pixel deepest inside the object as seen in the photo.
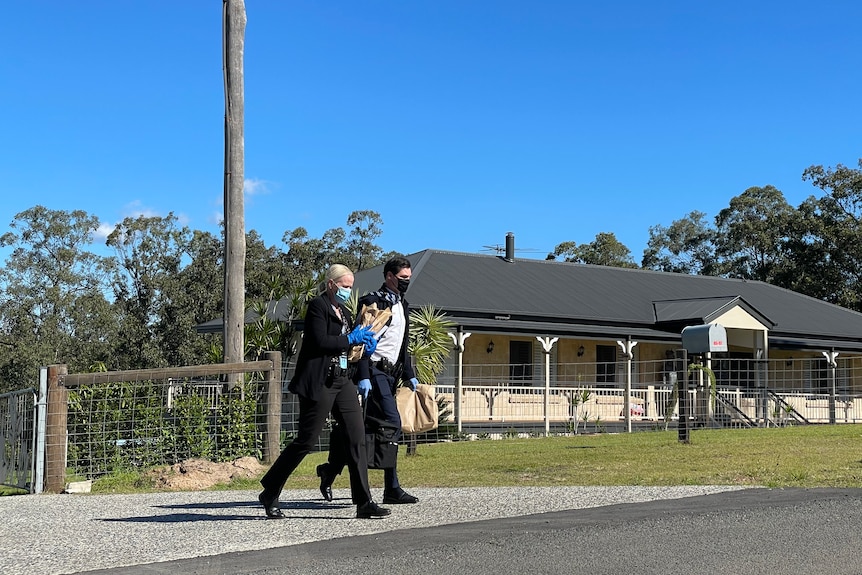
(510, 248)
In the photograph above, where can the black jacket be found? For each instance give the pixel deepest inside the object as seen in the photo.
(321, 341)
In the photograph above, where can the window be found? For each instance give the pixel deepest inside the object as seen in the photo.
(521, 362)
(606, 364)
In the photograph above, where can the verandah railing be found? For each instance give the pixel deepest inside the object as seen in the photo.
(750, 392)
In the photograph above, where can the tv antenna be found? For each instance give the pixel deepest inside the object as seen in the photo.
(507, 251)
(500, 250)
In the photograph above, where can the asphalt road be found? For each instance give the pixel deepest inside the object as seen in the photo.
(633, 530)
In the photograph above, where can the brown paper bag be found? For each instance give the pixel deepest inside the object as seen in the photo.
(377, 319)
(418, 409)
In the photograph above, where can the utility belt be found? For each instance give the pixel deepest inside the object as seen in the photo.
(339, 368)
(389, 368)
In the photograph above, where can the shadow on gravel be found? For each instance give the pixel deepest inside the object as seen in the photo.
(196, 517)
(255, 504)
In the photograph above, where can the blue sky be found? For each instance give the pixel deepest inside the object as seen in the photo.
(457, 120)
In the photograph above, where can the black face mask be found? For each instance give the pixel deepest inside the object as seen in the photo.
(403, 285)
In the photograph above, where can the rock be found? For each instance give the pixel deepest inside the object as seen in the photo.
(79, 486)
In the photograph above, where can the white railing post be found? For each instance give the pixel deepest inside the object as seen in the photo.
(547, 345)
(627, 347)
(458, 339)
(831, 379)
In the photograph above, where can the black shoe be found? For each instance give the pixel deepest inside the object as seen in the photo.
(326, 481)
(270, 505)
(369, 510)
(398, 496)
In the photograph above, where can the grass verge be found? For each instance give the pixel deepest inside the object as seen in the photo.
(810, 456)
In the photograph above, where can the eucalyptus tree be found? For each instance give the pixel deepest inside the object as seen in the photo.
(812, 266)
(360, 250)
(150, 254)
(196, 295)
(53, 304)
(752, 232)
(605, 250)
(309, 257)
(832, 231)
(686, 246)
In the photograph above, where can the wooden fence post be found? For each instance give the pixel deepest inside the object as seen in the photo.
(56, 432)
(272, 437)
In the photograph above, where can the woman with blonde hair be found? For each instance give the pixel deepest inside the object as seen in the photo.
(323, 386)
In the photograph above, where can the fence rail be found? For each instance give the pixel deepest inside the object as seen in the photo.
(101, 422)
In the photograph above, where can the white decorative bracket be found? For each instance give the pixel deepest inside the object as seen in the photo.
(458, 340)
(547, 343)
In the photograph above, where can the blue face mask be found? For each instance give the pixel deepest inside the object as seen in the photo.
(342, 294)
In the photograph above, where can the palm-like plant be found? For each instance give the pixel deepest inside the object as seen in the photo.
(276, 333)
(429, 343)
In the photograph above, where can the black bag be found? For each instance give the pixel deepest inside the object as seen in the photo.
(381, 443)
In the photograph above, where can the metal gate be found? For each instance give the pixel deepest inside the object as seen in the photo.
(17, 438)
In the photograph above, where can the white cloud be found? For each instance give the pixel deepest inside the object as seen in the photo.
(103, 231)
(136, 209)
(255, 187)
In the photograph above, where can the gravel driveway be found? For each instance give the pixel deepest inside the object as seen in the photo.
(61, 534)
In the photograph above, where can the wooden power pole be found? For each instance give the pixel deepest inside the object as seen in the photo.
(233, 29)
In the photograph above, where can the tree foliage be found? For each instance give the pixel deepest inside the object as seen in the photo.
(309, 257)
(63, 301)
(829, 236)
(149, 255)
(752, 232)
(53, 304)
(605, 250)
(687, 246)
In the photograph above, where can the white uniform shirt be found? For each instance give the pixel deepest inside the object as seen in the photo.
(389, 341)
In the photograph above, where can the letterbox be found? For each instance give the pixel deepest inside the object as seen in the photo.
(704, 338)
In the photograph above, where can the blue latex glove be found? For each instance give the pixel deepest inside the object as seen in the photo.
(413, 383)
(370, 344)
(358, 334)
(364, 387)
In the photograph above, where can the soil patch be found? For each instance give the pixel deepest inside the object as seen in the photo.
(196, 474)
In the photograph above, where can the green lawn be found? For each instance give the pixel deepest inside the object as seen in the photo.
(809, 456)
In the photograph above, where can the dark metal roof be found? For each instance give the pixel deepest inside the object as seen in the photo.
(276, 310)
(703, 310)
(474, 289)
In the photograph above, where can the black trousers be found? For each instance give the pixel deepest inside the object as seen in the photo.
(339, 397)
(381, 405)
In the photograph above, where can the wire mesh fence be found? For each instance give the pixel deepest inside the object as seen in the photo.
(143, 418)
(136, 420)
(122, 425)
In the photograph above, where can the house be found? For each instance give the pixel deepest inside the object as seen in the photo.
(524, 324)
(551, 341)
